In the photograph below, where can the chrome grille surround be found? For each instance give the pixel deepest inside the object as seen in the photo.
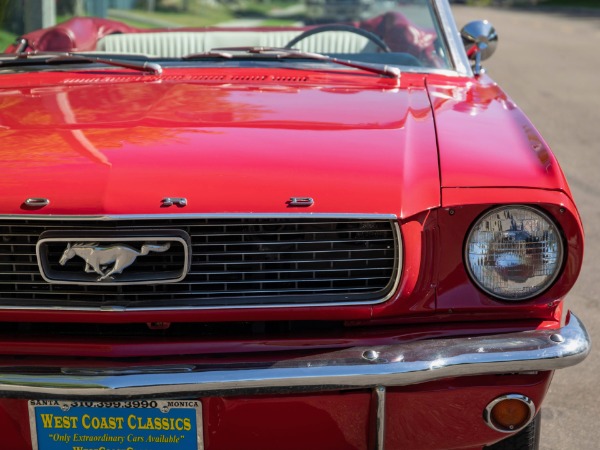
(238, 261)
(175, 258)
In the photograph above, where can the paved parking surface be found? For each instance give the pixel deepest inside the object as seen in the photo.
(549, 63)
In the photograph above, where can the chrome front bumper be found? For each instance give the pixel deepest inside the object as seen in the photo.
(359, 367)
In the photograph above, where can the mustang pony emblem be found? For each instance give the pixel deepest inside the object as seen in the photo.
(97, 259)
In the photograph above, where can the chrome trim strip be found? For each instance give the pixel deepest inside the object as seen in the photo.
(395, 365)
(455, 46)
(300, 215)
(378, 398)
(124, 309)
(432, 71)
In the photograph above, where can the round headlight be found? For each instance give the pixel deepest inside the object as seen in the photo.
(514, 252)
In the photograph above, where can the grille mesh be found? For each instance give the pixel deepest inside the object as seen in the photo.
(234, 262)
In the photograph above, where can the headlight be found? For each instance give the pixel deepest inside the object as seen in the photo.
(514, 252)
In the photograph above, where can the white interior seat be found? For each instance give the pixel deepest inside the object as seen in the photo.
(179, 43)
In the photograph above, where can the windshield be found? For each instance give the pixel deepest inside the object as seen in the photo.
(400, 33)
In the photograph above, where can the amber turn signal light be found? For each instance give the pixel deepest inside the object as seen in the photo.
(509, 413)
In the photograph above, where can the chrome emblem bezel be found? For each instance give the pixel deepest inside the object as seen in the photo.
(123, 242)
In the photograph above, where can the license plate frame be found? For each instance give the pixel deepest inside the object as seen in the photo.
(116, 425)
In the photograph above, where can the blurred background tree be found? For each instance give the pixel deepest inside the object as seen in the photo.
(11, 23)
(11, 16)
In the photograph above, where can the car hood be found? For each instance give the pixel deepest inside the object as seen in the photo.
(485, 140)
(102, 146)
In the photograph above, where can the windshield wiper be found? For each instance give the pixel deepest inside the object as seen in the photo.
(207, 55)
(65, 58)
(285, 53)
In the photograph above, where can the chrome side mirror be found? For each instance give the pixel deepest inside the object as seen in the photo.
(480, 41)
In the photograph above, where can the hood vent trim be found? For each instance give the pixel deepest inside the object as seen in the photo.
(250, 78)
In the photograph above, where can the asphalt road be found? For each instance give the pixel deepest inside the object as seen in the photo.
(549, 63)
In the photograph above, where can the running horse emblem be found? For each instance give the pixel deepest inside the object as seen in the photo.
(98, 259)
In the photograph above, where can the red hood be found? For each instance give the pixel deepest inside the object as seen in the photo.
(94, 145)
(486, 141)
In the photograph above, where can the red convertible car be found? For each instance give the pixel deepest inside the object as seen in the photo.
(294, 235)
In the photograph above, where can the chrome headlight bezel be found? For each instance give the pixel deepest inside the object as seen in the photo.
(541, 287)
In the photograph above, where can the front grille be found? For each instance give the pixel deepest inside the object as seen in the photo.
(234, 262)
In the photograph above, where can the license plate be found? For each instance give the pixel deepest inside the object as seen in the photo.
(125, 425)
